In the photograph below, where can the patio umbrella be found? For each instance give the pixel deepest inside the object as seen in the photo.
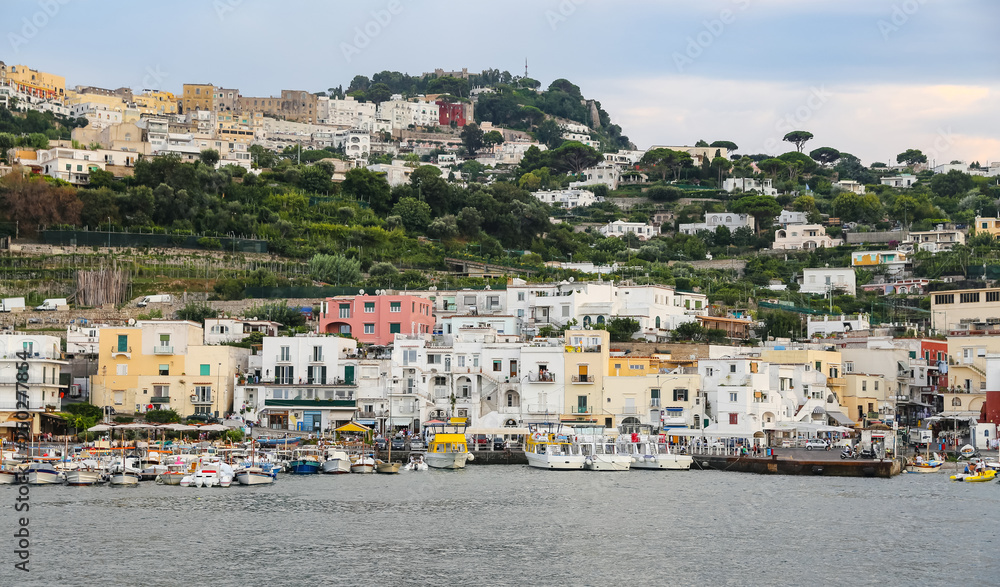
(135, 426)
(213, 428)
(99, 428)
(178, 427)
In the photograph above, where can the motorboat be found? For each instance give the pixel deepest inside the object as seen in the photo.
(43, 473)
(925, 465)
(448, 447)
(649, 452)
(387, 467)
(85, 472)
(549, 447)
(337, 461)
(174, 474)
(599, 450)
(207, 475)
(363, 463)
(416, 463)
(980, 477)
(255, 475)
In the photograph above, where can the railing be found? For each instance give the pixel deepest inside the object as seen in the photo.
(281, 359)
(654, 403)
(544, 377)
(159, 400)
(583, 379)
(580, 410)
(163, 350)
(582, 349)
(630, 410)
(117, 351)
(315, 359)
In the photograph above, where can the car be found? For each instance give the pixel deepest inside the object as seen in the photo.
(498, 443)
(398, 444)
(817, 443)
(380, 443)
(205, 418)
(417, 444)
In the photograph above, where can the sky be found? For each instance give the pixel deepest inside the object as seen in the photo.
(870, 77)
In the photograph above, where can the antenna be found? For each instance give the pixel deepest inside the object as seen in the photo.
(525, 67)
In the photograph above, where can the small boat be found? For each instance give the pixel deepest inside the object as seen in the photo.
(363, 464)
(416, 463)
(337, 461)
(86, 472)
(982, 477)
(599, 450)
(255, 476)
(276, 442)
(43, 473)
(448, 448)
(123, 478)
(387, 467)
(174, 474)
(305, 462)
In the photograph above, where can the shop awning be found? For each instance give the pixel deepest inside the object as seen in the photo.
(964, 415)
(401, 421)
(366, 422)
(841, 418)
(352, 427)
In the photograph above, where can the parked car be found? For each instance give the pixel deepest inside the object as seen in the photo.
(819, 443)
(498, 443)
(417, 444)
(205, 418)
(380, 443)
(398, 444)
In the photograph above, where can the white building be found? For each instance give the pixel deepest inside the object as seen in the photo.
(347, 113)
(849, 185)
(749, 184)
(620, 228)
(396, 173)
(567, 198)
(223, 330)
(823, 280)
(791, 217)
(803, 237)
(713, 220)
(824, 325)
(44, 365)
(83, 339)
(899, 181)
(603, 173)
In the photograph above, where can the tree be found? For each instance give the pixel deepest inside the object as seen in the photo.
(951, 184)
(688, 331)
(911, 157)
(798, 138)
(378, 93)
(721, 165)
(472, 138)
(574, 157)
(622, 329)
(661, 161)
(443, 227)
(209, 157)
(781, 324)
(34, 203)
(167, 416)
(825, 155)
(764, 209)
(415, 215)
(335, 269)
(771, 166)
(469, 221)
(659, 193)
(196, 313)
(262, 157)
(701, 143)
(851, 207)
(494, 137)
(367, 186)
(7, 142)
(549, 133)
(730, 146)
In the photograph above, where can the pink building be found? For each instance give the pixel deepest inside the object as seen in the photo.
(376, 319)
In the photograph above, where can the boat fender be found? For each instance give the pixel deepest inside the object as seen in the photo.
(471, 457)
(663, 438)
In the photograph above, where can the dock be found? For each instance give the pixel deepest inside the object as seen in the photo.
(785, 465)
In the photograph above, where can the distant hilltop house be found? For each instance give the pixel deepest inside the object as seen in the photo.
(806, 237)
(822, 280)
(699, 154)
(620, 228)
(894, 261)
(933, 241)
(713, 220)
(849, 185)
(603, 173)
(567, 198)
(749, 184)
(791, 217)
(899, 181)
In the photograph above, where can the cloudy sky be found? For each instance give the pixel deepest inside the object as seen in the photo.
(870, 77)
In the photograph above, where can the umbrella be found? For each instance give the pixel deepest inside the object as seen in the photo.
(178, 427)
(135, 426)
(99, 428)
(214, 428)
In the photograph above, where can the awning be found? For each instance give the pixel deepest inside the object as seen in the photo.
(401, 421)
(352, 427)
(366, 422)
(498, 431)
(965, 415)
(841, 418)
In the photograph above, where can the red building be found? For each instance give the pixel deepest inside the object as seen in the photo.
(376, 319)
(448, 111)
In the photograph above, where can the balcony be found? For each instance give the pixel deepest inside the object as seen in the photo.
(580, 410)
(542, 377)
(841, 381)
(583, 379)
(282, 359)
(163, 350)
(630, 410)
(202, 401)
(118, 352)
(654, 403)
(316, 359)
(583, 349)
(159, 400)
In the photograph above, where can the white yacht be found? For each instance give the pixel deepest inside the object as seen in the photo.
(448, 447)
(43, 473)
(337, 461)
(651, 452)
(549, 447)
(599, 450)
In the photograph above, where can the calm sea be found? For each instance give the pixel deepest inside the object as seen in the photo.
(512, 525)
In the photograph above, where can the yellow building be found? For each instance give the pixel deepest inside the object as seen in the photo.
(197, 97)
(156, 102)
(165, 364)
(631, 366)
(238, 127)
(585, 357)
(111, 102)
(36, 83)
(966, 312)
(864, 393)
(657, 399)
(990, 226)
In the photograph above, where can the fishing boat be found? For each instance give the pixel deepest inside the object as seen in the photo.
(43, 472)
(921, 465)
(174, 474)
(278, 442)
(305, 461)
(8, 469)
(448, 448)
(337, 461)
(85, 472)
(416, 463)
(599, 450)
(363, 463)
(255, 475)
(549, 447)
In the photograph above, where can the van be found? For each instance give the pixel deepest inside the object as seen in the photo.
(157, 299)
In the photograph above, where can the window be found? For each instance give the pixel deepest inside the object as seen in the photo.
(864, 386)
(122, 343)
(369, 329)
(709, 372)
(164, 369)
(164, 340)
(956, 402)
(969, 298)
(285, 354)
(122, 370)
(520, 296)
(316, 375)
(944, 299)
(394, 328)
(680, 395)
(565, 311)
(618, 365)
(734, 396)
(409, 356)
(161, 391)
(317, 354)
(475, 360)
(345, 310)
(497, 364)
(205, 370)
(734, 419)
(369, 307)
(993, 296)
(819, 365)
(732, 368)
(849, 367)
(395, 306)
(876, 386)
(284, 375)
(203, 393)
